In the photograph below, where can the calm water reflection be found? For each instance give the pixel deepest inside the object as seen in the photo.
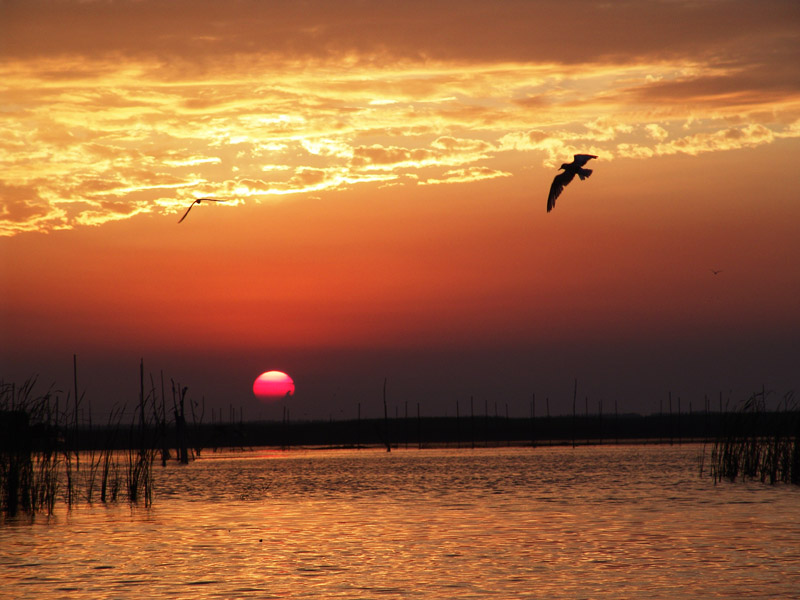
(607, 522)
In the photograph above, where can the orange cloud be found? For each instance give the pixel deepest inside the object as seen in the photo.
(466, 175)
(92, 115)
(732, 138)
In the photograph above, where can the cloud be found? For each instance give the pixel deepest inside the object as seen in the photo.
(657, 132)
(443, 151)
(732, 138)
(725, 86)
(558, 146)
(626, 150)
(327, 147)
(606, 129)
(535, 139)
(459, 146)
(303, 180)
(467, 174)
(392, 157)
(22, 209)
(197, 31)
(308, 178)
(386, 95)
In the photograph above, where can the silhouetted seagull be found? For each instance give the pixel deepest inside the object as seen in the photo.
(716, 271)
(562, 179)
(198, 201)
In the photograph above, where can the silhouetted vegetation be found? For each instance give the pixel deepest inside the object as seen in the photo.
(49, 453)
(470, 431)
(41, 457)
(756, 444)
(28, 478)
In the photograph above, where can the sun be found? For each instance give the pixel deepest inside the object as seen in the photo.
(273, 385)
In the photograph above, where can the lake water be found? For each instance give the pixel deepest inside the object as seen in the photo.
(589, 522)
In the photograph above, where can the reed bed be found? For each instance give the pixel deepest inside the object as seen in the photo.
(40, 459)
(757, 444)
(29, 480)
(47, 455)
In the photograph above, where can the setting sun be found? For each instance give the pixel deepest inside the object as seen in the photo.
(273, 385)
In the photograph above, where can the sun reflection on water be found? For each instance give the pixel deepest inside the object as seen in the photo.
(620, 522)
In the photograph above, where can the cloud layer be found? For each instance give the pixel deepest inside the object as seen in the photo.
(111, 110)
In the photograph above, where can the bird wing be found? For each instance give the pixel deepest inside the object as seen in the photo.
(581, 159)
(198, 201)
(559, 182)
(187, 211)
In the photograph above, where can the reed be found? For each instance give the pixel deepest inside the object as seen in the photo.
(108, 463)
(757, 444)
(29, 460)
(49, 453)
(179, 411)
(141, 450)
(139, 475)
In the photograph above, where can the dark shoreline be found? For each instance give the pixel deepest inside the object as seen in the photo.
(463, 432)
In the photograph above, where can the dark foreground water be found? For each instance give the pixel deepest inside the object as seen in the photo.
(598, 522)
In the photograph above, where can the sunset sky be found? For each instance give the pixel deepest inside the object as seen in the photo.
(385, 168)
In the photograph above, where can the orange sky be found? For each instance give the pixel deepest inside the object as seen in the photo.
(386, 171)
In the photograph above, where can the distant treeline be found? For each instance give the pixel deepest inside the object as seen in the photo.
(463, 432)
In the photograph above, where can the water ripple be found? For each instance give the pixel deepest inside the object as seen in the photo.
(611, 522)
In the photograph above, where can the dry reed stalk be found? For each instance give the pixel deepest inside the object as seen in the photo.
(757, 444)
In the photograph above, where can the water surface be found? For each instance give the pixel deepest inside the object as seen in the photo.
(593, 522)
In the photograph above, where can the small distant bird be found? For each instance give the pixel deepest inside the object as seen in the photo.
(198, 201)
(562, 179)
(716, 271)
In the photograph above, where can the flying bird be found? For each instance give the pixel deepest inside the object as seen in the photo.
(561, 180)
(198, 201)
(716, 271)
